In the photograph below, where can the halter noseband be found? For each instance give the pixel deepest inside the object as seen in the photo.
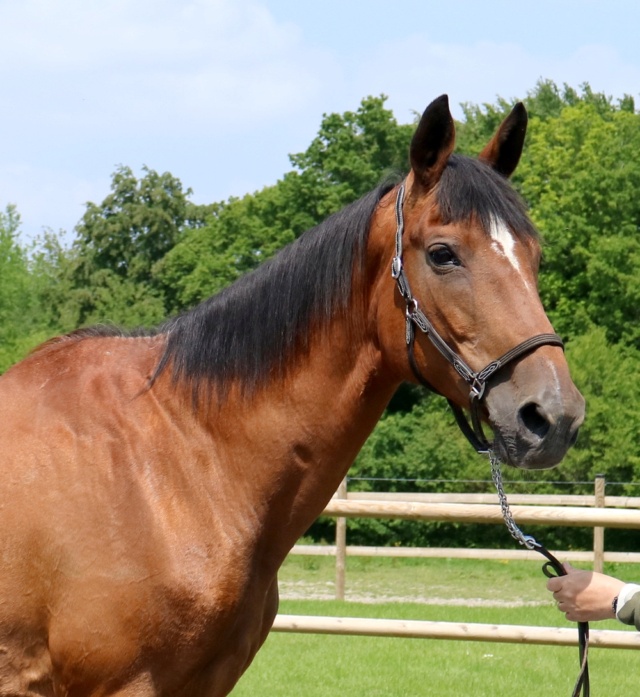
(477, 381)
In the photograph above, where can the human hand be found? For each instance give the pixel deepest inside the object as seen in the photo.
(585, 595)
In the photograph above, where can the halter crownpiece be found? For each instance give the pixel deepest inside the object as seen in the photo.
(477, 381)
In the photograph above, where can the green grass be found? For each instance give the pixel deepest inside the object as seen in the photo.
(324, 666)
(506, 582)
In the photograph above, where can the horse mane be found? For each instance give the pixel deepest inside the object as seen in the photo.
(249, 331)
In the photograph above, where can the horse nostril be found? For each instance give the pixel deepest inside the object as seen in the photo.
(534, 419)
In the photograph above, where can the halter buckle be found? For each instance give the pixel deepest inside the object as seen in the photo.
(408, 330)
(396, 267)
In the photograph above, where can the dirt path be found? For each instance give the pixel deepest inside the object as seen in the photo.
(303, 590)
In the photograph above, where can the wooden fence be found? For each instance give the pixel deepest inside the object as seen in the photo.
(595, 511)
(471, 631)
(590, 510)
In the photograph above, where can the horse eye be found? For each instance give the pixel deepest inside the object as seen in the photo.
(441, 255)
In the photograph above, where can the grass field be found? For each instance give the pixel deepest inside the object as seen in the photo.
(438, 589)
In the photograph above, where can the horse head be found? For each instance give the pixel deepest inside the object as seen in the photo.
(466, 265)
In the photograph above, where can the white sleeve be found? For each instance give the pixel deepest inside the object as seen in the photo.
(625, 594)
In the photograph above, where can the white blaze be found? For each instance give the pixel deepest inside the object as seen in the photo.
(503, 241)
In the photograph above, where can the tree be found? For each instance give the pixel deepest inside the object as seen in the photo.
(22, 316)
(581, 178)
(606, 374)
(13, 286)
(135, 225)
(350, 155)
(237, 236)
(118, 244)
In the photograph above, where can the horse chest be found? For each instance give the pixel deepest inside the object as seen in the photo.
(193, 636)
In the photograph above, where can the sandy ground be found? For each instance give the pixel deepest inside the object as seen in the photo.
(304, 590)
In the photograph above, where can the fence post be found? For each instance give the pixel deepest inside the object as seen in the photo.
(598, 532)
(341, 544)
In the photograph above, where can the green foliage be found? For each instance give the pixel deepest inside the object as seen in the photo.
(19, 308)
(135, 226)
(581, 183)
(607, 376)
(119, 242)
(237, 236)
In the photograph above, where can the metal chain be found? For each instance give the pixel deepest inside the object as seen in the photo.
(496, 474)
(582, 683)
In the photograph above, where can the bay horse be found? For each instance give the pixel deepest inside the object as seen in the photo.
(153, 483)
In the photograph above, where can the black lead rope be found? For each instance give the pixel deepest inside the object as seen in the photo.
(552, 568)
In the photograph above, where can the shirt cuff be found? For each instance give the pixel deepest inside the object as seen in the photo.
(625, 595)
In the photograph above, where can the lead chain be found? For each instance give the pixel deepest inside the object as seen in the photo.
(496, 474)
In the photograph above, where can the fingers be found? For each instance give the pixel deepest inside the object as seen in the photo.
(554, 584)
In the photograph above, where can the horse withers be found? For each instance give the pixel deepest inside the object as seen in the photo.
(153, 484)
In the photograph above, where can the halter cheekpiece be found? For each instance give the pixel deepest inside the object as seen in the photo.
(477, 380)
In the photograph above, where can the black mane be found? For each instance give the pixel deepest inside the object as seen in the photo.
(469, 188)
(249, 331)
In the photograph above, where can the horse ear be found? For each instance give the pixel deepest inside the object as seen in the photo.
(503, 151)
(433, 142)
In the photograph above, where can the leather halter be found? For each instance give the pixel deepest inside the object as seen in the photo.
(477, 380)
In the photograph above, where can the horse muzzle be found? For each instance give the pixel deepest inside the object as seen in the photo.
(537, 431)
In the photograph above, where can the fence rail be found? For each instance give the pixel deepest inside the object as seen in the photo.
(593, 510)
(421, 629)
(597, 511)
(460, 553)
(526, 499)
(486, 513)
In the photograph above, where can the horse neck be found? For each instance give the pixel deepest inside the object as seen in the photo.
(296, 438)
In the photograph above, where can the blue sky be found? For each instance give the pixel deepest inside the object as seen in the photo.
(220, 92)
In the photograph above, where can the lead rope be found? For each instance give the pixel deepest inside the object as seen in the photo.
(552, 567)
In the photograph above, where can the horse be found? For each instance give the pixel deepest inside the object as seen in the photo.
(154, 482)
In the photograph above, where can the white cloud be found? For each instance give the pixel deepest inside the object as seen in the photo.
(150, 64)
(89, 35)
(88, 85)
